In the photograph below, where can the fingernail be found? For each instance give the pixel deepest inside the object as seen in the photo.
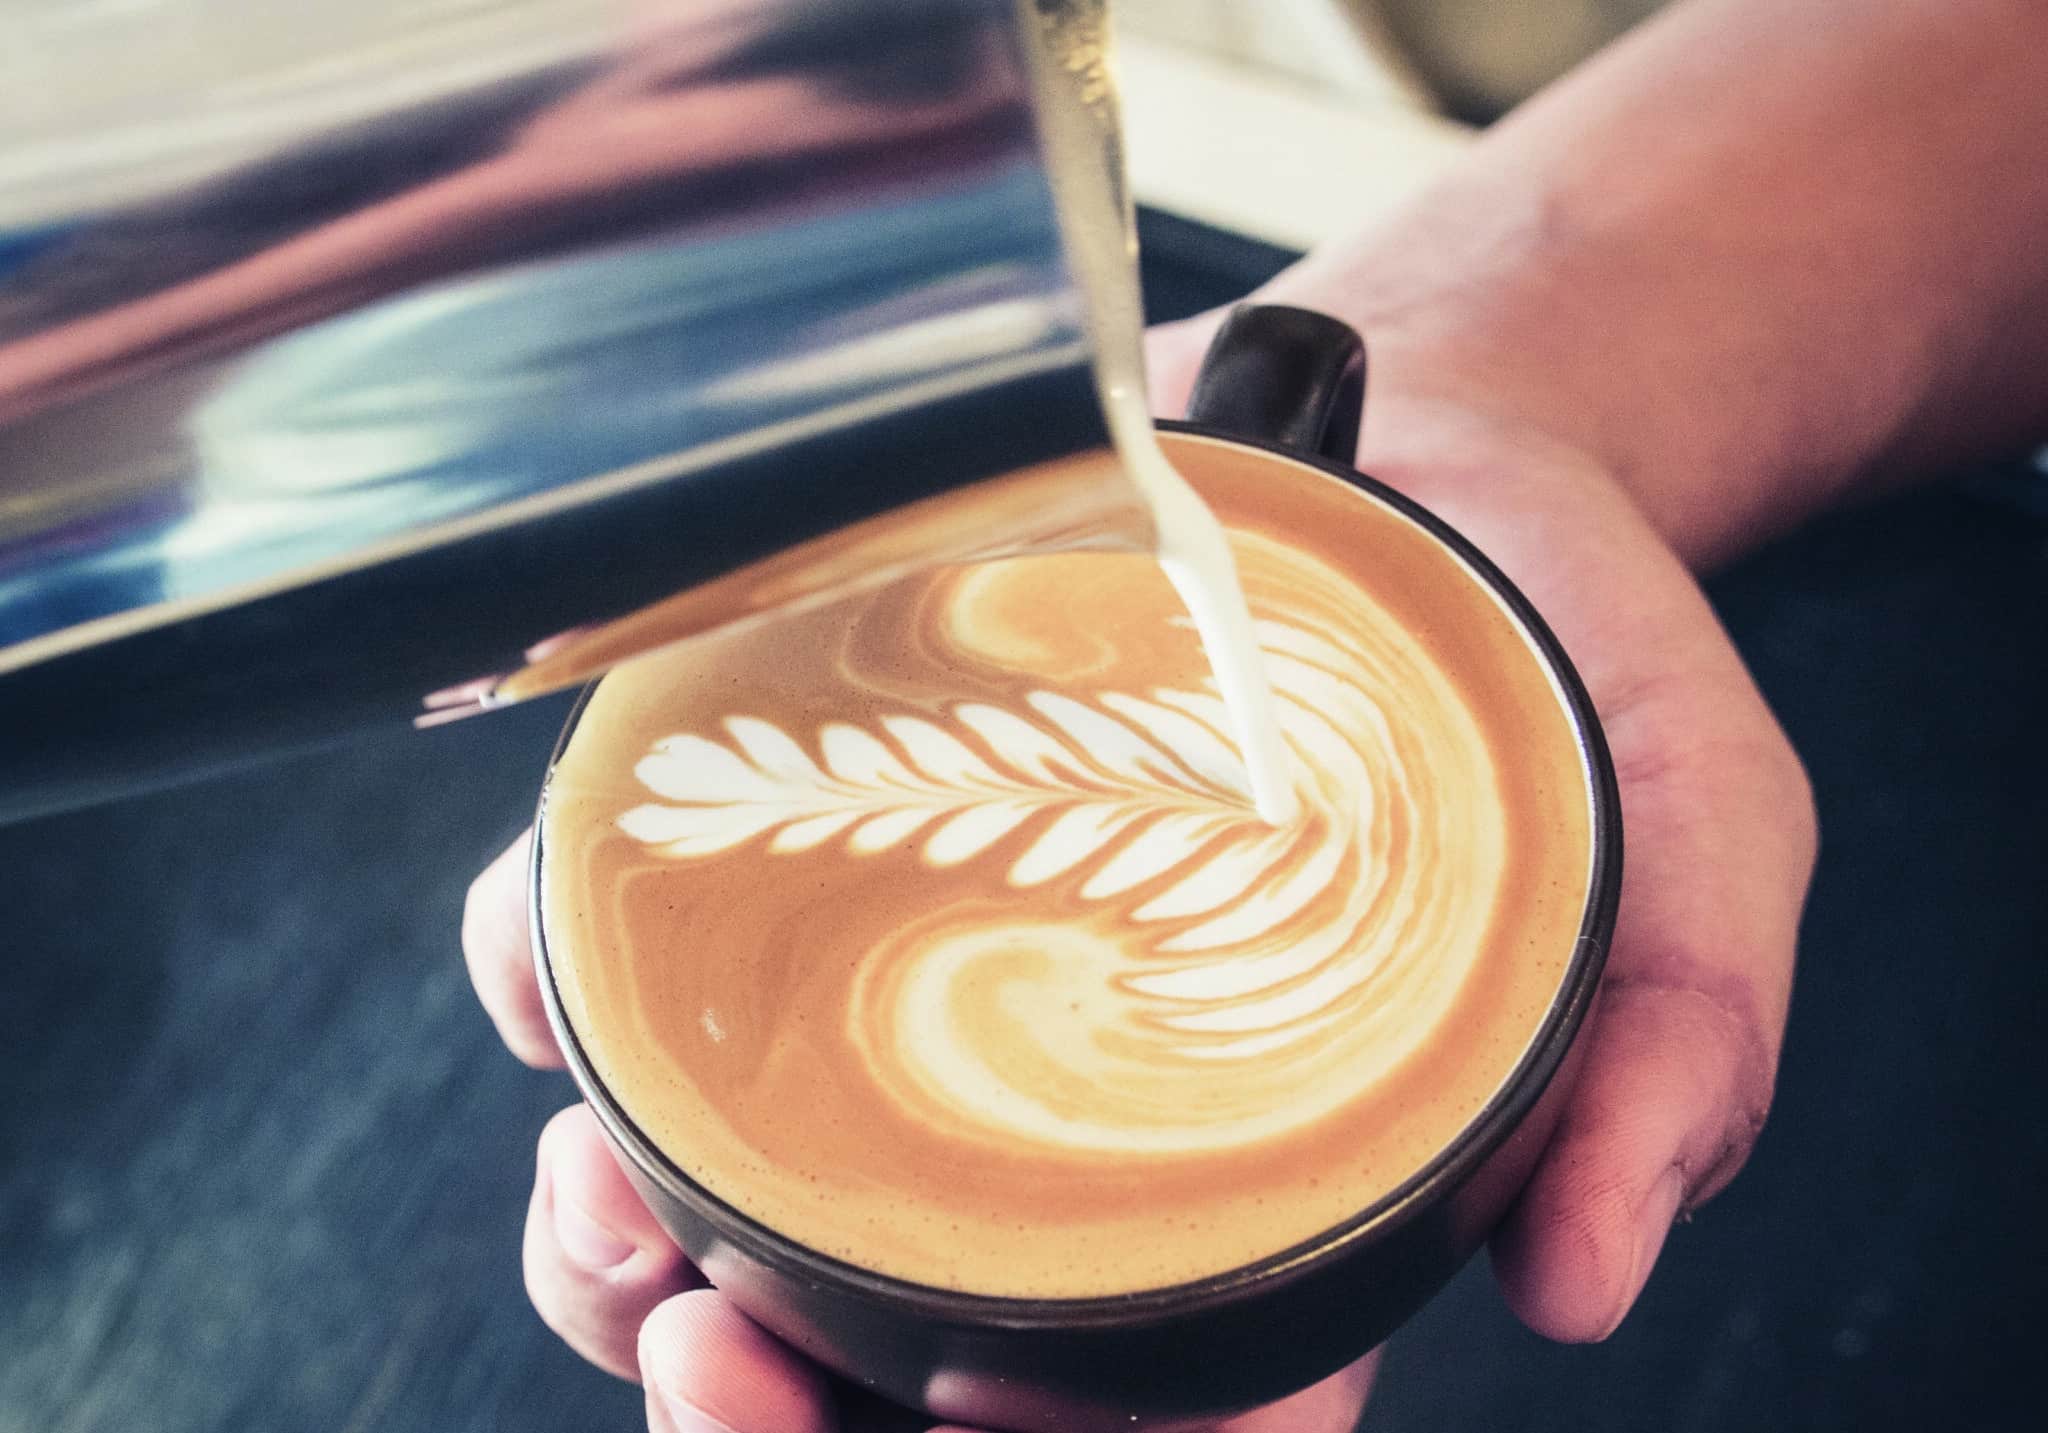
(583, 1239)
(687, 1417)
(1652, 1225)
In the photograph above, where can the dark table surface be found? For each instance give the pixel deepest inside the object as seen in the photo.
(263, 1164)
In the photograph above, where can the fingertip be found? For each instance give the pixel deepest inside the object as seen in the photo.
(577, 1161)
(1651, 1108)
(497, 947)
(531, 1041)
(595, 1259)
(703, 1360)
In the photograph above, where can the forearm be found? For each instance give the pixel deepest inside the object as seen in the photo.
(1759, 254)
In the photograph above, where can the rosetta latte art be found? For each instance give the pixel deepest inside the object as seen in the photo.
(1135, 962)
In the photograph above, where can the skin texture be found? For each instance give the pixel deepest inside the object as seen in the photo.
(1755, 260)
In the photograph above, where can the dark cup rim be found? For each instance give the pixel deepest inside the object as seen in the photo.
(1450, 1167)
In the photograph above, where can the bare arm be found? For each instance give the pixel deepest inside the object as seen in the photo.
(1757, 254)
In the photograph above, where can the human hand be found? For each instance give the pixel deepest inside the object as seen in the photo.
(1680, 1052)
(605, 1276)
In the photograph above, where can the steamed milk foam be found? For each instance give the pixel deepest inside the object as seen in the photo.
(936, 930)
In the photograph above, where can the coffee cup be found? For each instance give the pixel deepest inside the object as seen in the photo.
(1098, 1311)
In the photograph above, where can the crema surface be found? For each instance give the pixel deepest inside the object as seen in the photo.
(935, 930)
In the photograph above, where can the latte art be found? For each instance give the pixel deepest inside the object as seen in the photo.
(937, 930)
(1213, 981)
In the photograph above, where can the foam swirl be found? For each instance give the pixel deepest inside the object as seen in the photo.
(1131, 961)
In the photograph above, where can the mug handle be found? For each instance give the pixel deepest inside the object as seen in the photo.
(1286, 376)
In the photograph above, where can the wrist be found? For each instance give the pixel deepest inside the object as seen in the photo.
(1535, 309)
(1437, 389)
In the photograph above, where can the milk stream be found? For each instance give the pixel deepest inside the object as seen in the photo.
(1191, 547)
(1075, 86)
(1195, 555)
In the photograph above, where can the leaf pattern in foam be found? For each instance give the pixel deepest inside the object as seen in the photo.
(1153, 771)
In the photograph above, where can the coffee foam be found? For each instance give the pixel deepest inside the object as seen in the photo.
(935, 929)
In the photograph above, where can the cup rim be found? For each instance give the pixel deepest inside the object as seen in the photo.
(1480, 1136)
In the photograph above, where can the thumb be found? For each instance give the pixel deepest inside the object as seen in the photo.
(708, 1368)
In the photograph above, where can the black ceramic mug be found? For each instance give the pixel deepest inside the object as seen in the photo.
(1287, 384)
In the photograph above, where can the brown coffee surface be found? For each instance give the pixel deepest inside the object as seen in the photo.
(934, 930)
